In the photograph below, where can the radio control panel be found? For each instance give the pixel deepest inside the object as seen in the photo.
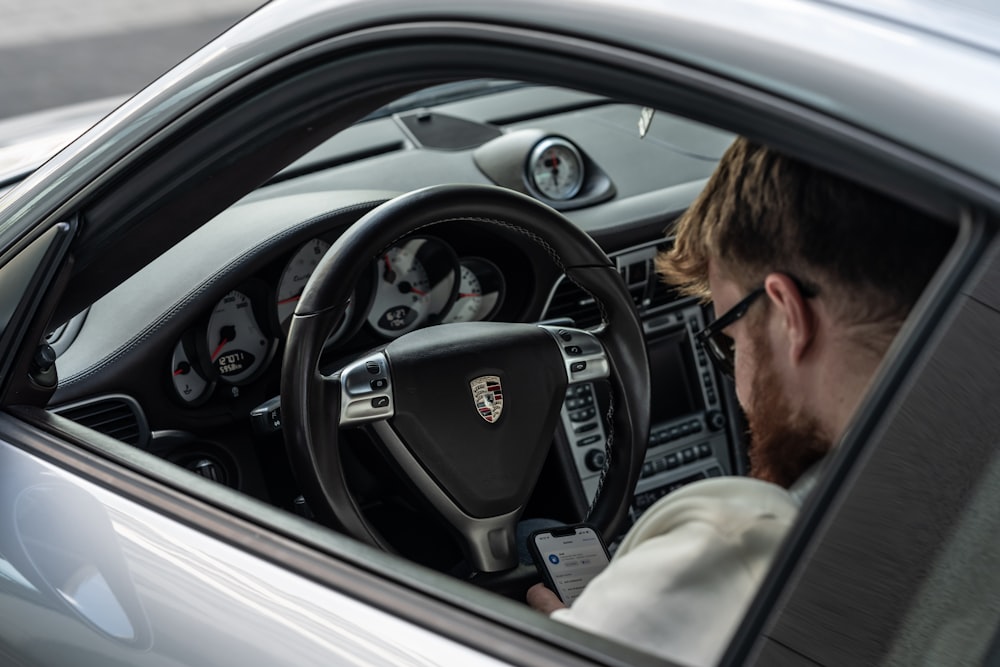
(690, 435)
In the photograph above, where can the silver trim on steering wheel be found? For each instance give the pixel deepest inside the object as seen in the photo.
(490, 540)
(366, 391)
(583, 354)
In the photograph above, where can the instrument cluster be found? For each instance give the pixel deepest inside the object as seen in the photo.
(419, 282)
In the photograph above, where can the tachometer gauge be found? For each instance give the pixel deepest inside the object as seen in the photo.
(480, 291)
(294, 278)
(414, 280)
(237, 346)
(191, 386)
(555, 169)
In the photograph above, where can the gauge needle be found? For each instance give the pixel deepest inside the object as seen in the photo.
(290, 299)
(554, 163)
(183, 368)
(406, 288)
(465, 296)
(226, 335)
(388, 275)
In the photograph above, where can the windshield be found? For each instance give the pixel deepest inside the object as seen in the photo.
(444, 93)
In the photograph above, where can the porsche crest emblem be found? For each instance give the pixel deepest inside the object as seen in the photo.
(488, 395)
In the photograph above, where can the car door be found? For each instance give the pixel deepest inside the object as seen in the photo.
(189, 572)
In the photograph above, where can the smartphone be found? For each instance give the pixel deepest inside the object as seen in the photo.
(568, 558)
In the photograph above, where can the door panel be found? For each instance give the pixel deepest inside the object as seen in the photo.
(880, 559)
(187, 598)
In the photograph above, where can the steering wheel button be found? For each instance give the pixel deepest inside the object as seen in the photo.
(573, 350)
(578, 366)
(379, 384)
(565, 335)
(373, 367)
(380, 402)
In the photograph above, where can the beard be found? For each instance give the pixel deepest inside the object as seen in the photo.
(784, 443)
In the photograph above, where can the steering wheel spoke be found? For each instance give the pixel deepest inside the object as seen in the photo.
(366, 391)
(488, 542)
(583, 354)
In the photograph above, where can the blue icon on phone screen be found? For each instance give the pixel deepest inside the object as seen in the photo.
(554, 559)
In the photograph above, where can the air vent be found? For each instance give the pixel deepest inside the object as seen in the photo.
(637, 269)
(661, 295)
(117, 416)
(570, 301)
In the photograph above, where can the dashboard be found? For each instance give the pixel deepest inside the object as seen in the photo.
(177, 359)
(418, 282)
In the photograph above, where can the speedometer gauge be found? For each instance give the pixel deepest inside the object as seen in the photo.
(414, 281)
(555, 169)
(237, 346)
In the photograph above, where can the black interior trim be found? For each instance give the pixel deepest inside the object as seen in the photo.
(26, 272)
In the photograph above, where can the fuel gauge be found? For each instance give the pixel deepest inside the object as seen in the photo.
(480, 291)
(191, 386)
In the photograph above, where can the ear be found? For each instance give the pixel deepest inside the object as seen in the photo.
(797, 316)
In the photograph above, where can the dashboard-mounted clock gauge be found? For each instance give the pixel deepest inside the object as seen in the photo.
(555, 169)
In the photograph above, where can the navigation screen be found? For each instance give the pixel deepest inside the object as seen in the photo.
(673, 388)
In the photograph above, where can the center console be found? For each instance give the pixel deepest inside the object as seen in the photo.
(693, 425)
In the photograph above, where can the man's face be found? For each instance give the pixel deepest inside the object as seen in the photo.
(785, 438)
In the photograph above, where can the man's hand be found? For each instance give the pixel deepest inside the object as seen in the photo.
(542, 599)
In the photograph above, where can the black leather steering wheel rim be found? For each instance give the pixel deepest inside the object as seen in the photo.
(310, 421)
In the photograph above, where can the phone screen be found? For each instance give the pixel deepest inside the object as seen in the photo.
(571, 557)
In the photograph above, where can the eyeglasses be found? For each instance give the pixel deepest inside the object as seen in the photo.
(722, 347)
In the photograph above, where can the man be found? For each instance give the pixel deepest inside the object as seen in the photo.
(811, 277)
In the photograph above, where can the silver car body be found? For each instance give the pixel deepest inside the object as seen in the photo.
(221, 586)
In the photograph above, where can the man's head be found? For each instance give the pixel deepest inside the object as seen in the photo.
(837, 267)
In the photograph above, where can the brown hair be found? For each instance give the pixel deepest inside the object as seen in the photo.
(761, 212)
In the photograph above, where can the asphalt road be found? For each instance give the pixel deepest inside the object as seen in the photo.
(56, 52)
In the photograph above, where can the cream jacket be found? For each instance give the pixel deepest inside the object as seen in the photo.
(685, 573)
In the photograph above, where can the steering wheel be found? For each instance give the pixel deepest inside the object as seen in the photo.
(468, 410)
